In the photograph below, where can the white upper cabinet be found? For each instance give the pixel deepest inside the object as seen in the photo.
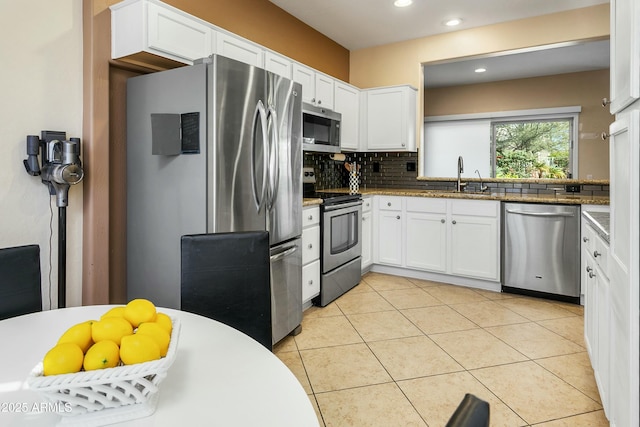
(317, 88)
(278, 64)
(625, 53)
(347, 103)
(390, 118)
(239, 49)
(142, 26)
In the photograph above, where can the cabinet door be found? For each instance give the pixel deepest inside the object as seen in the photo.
(367, 230)
(390, 237)
(623, 266)
(625, 53)
(277, 64)
(177, 35)
(390, 119)
(602, 335)
(474, 247)
(427, 241)
(324, 91)
(347, 103)
(307, 78)
(239, 49)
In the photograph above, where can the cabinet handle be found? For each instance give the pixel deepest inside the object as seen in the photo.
(596, 254)
(585, 239)
(313, 100)
(398, 217)
(310, 245)
(367, 204)
(592, 275)
(604, 136)
(388, 203)
(453, 222)
(442, 221)
(403, 144)
(589, 269)
(311, 282)
(605, 102)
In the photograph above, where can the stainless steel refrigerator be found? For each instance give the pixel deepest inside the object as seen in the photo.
(214, 147)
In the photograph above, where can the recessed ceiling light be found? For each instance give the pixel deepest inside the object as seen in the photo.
(453, 22)
(480, 70)
(402, 3)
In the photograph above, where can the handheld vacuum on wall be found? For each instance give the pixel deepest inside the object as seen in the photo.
(57, 161)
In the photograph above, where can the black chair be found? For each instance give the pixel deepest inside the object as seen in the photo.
(226, 277)
(471, 412)
(20, 290)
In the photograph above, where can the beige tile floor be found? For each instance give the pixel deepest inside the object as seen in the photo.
(396, 351)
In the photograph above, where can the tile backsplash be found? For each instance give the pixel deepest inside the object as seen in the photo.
(399, 170)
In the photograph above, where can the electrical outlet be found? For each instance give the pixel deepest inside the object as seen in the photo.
(376, 166)
(411, 166)
(573, 188)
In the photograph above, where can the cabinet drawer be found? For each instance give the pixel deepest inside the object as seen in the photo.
(487, 208)
(600, 253)
(310, 216)
(310, 280)
(390, 203)
(426, 205)
(310, 244)
(366, 204)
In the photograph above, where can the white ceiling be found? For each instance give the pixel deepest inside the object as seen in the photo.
(357, 24)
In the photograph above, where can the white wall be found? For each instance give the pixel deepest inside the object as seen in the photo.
(41, 81)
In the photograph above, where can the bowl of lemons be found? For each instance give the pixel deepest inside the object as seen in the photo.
(108, 369)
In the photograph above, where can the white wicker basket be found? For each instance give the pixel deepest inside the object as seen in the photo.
(118, 394)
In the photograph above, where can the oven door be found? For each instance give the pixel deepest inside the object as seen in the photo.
(341, 234)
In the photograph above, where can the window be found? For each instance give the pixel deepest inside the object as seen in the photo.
(532, 148)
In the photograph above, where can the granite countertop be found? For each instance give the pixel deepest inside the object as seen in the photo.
(599, 221)
(560, 198)
(311, 202)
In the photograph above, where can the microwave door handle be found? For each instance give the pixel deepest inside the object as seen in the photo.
(259, 114)
(274, 167)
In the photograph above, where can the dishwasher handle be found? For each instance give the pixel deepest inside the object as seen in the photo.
(544, 214)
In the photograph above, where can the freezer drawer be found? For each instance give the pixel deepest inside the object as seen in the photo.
(541, 249)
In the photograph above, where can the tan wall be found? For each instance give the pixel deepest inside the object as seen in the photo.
(400, 63)
(585, 89)
(264, 23)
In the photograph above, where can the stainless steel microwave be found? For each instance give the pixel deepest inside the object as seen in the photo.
(320, 129)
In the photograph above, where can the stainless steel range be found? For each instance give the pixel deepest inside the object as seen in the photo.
(340, 241)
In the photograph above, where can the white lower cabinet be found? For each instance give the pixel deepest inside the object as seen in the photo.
(367, 230)
(310, 253)
(597, 311)
(447, 236)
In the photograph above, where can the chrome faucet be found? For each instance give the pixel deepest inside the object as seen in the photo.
(460, 186)
(482, 187)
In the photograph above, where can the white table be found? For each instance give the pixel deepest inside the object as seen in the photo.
(220, 377)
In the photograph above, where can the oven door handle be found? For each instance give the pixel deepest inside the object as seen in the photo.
(341, 206)
(284, 254)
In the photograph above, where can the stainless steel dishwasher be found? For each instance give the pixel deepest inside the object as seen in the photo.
(541, 250)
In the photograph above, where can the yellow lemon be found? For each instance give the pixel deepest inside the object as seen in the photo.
(156, 332)
(103, 354)
(79, 334)
(114, 312)
(139, 310)
(111, 328)
(164, 321)
(138, 348)
(65, 358)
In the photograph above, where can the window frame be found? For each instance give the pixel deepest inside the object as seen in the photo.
(573, 120)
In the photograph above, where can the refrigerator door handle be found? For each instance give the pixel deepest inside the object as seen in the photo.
(259, 114)
(274, 156)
